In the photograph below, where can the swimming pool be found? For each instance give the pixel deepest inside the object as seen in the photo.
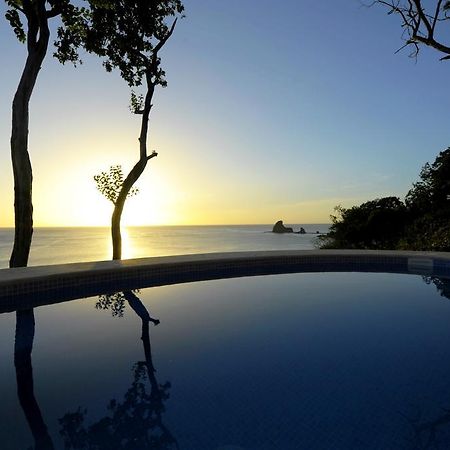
(288, 361)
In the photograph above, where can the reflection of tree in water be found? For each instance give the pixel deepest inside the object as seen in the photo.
(23, 347)
(113, 302)
(136, 422)
(432, 433)
(442, 284)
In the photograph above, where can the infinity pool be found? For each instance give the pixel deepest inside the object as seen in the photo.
(295, 361)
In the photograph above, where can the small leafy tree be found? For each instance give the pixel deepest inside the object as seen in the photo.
(128, 35)
(110, 184)
(30, 22)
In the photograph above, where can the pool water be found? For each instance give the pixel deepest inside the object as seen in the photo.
(296, 361)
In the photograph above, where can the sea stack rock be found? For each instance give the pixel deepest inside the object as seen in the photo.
(280, 228)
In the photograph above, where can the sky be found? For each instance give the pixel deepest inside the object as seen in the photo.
(273, 110)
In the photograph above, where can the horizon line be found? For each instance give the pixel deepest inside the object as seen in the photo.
(172, 225)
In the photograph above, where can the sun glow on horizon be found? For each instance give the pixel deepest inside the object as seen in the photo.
(169, 194)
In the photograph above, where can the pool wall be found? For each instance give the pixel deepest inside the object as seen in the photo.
(24, 288)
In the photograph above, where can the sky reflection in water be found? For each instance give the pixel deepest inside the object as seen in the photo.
(293, 361)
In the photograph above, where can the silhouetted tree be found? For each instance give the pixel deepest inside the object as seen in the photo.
(129, 35)
(432, 191)
(111, 183)
(30, 22)
(429, 204)
(377, 224)
(422, 222)
(421, 24)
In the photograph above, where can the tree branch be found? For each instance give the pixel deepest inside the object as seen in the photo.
(423, 17)
(161, 43)
(53, 12)
(436, 15)
(419, 25)
(152, 66)
(393, 7)
(153, 155)
(434, 44)
(20, 9)
(27, 6)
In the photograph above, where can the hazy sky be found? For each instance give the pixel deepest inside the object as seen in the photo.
(273, 110)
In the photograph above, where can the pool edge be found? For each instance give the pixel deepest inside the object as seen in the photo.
(22, 288)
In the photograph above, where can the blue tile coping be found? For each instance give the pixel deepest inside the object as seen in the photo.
(28, 287)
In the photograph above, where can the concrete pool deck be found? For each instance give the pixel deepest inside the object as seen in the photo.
(27, 287)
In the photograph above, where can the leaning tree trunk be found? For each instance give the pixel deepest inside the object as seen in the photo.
(23, 176)
(132, 177)
(134, 174)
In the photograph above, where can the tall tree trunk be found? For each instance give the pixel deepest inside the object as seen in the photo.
(136, 171)
(23, 176)
(134, 174)
(132, 177)
(23, 347)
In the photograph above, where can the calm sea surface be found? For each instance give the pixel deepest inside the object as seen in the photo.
(64, 245)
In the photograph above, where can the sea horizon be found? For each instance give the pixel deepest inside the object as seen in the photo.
(60, 245)
(177, 225)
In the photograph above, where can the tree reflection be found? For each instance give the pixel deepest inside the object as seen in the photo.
(442, 284)
(136, 422)
(23, 346)
(113, 302)
(432, 433)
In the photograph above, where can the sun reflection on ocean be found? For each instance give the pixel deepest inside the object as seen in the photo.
(127, 247)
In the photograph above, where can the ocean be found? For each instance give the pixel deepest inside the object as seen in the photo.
(66, 245)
